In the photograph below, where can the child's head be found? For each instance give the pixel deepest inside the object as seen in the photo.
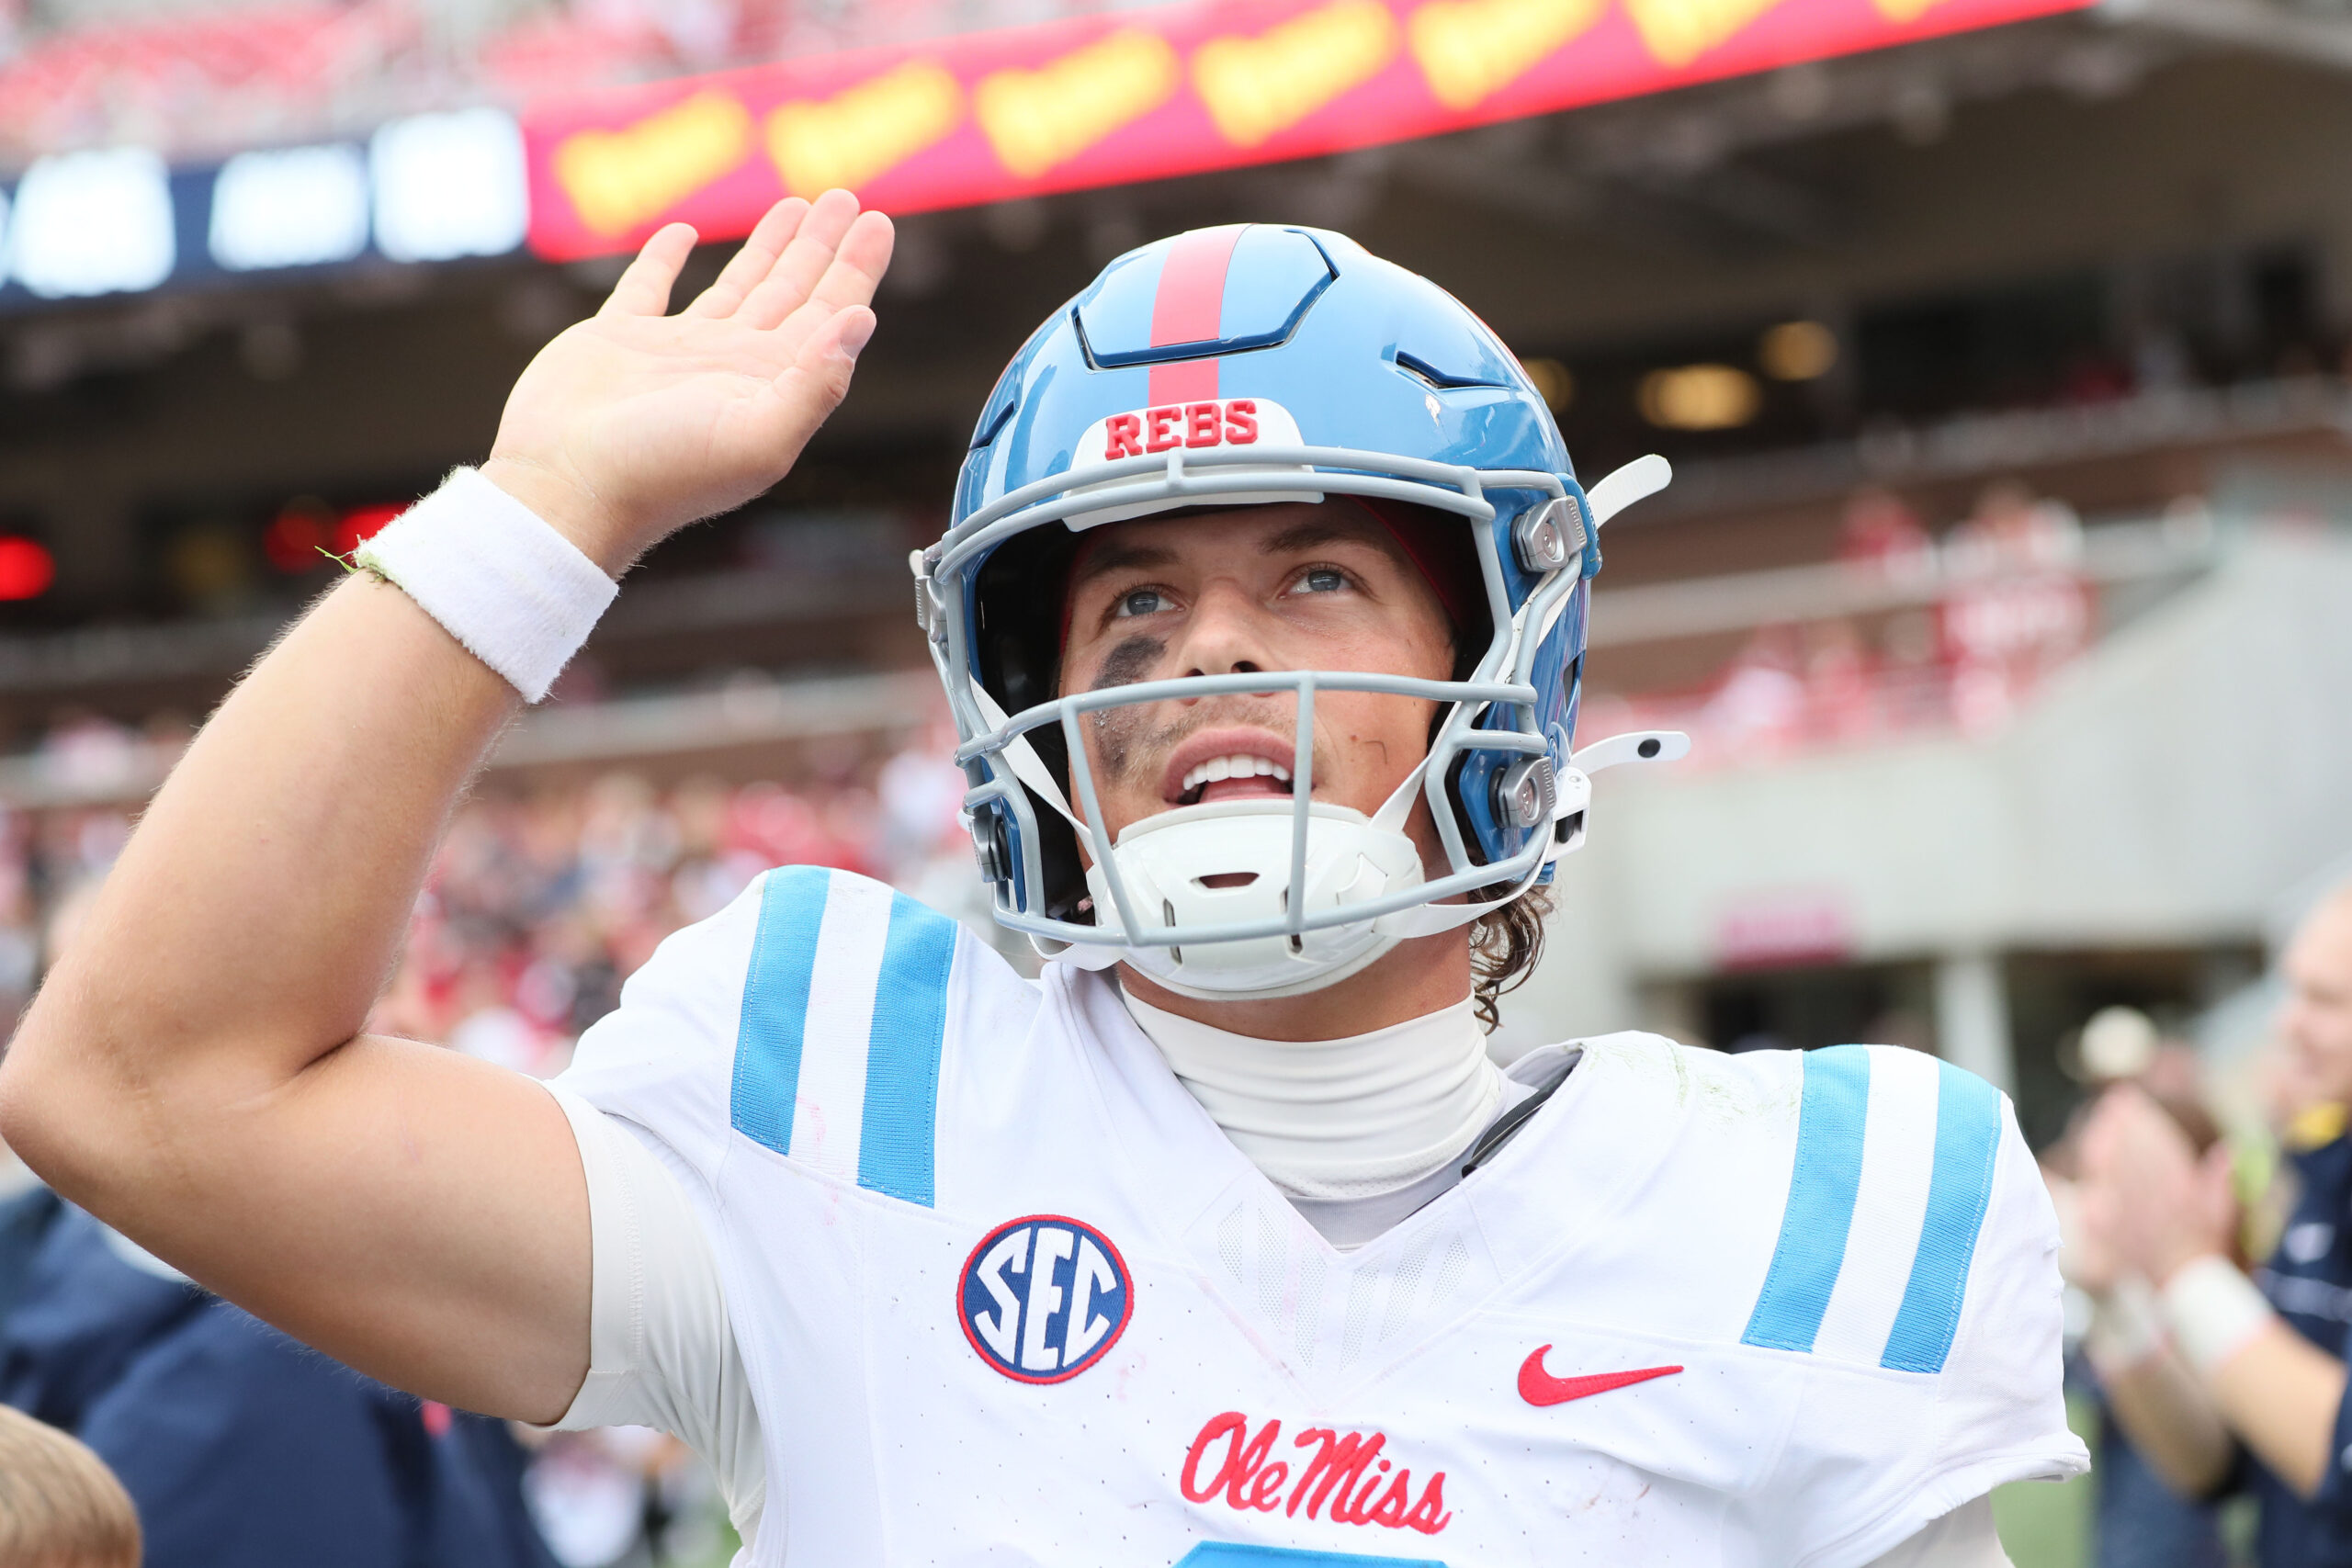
(60, 1506)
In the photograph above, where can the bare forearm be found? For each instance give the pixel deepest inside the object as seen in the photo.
(2281, 1393)
(2171, 1420)
(253, 915)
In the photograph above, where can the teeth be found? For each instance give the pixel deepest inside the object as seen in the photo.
(1239, 765)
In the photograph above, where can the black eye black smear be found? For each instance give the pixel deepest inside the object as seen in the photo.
(1129, 662)
(1118, 729)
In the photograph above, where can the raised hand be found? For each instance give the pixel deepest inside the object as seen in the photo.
(2154, 1204)
(634, 422)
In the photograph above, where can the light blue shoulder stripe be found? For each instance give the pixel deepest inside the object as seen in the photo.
(896, 1148)
(1968, 1139)
(1812, 1248)
(1233, 1554)
(775, 1004)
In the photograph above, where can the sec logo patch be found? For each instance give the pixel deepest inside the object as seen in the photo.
(1044, 1298)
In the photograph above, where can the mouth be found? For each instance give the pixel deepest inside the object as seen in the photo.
(1228, 765)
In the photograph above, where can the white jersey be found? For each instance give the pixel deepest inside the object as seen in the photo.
(1005, 1294)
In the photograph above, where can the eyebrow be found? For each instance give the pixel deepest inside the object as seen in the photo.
(1309, 535)
(1119, 557)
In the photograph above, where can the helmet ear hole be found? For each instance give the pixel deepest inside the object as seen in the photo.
(1017, 607)
(1065, 894)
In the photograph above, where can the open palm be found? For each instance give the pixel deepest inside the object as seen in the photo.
(634, 422)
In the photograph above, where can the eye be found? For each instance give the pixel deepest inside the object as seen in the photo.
(1139, 601)
(1321, 579)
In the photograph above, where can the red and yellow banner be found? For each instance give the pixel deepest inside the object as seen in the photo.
(1145, 94)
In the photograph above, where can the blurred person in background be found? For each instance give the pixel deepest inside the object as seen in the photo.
(1880, 535)
(2017, 608)
(60, 1506)
(239, 1445)
(2142, 1520)
(2226, 1381)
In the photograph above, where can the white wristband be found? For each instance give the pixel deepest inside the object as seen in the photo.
(2213, 1311)
(2126, 1327)
(519, 595)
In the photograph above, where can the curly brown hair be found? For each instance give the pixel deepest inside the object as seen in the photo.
(1504, 947)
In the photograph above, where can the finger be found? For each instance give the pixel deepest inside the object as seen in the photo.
(785, 288)
(805, 390)
(748, 266)
(818, 377)
(644, 288)
(855, 273)
(830, 353)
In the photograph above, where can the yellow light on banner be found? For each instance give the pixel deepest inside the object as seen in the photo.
(1037, 119)
(1698, 396)
(1256, 86)
(1468, 48)
(1903, 10)
(617, 179)
(865, 130)
(1679, 31)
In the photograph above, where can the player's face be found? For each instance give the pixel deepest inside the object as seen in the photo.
(1294, 586)
(2317, 1025)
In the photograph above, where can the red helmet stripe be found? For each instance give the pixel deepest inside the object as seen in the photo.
(1186, 309)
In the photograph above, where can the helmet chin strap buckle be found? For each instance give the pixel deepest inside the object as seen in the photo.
(1576, 781)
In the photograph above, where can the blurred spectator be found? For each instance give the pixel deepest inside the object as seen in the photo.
(1758, 709)
(1841, 695)
(2142, 1520)
(1882, 533)
(239, 1445)
(60, 1506)
(623, 1496)
(2018, 609)
(2227, 1381)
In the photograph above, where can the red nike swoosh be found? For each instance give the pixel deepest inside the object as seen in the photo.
(1539, 1387)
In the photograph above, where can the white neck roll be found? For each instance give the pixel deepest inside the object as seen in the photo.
(1336, 1118)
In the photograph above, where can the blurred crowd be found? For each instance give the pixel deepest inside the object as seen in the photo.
(541, 902)
(543, 896)
(1981, 617)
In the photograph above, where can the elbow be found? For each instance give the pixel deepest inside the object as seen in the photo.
(32, 1096)
(54, 1115)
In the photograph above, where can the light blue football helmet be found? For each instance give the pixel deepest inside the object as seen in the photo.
(1232, 366)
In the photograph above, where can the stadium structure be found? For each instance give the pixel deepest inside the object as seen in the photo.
(1999, 351)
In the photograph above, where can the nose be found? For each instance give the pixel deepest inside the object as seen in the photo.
(1225, 634)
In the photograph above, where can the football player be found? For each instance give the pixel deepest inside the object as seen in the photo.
(1261, 618)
